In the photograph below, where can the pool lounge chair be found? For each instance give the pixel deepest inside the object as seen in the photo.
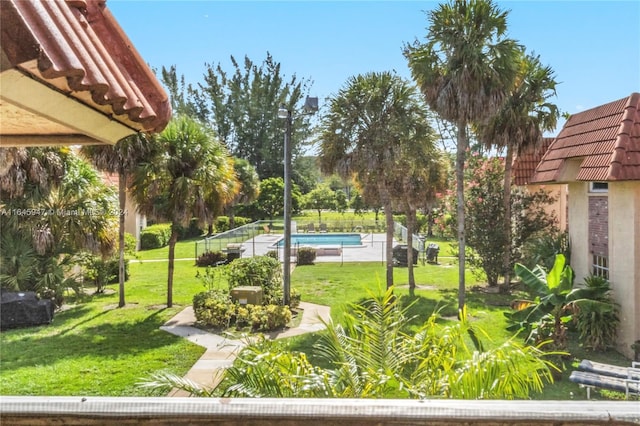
(323, 228)
(592, 374)
(310, 228)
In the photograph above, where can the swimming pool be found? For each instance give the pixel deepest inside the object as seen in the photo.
(324, 240)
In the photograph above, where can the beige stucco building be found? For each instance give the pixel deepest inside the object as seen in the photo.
(597, 156)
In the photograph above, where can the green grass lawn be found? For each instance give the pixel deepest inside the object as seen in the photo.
(95, 348)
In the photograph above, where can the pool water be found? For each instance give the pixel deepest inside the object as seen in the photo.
(324, 240)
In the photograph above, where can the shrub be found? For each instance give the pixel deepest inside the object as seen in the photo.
(155, 236)
(272, 253)
(262, 271)
(211, 258)
(306, 255)
(294, 298)
(597, 323)
(130, 244)
(269, 317)
(213, 308)
(222, 223)
(113, 270)
(191, 231)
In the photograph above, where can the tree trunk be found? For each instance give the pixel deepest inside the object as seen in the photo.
(122, 198)
(460, 158)
(172, 251)
(411, 214)
(388, 214)
(508, 166)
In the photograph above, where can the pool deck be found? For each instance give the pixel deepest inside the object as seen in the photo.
(372, 249)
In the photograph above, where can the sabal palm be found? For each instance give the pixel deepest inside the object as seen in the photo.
(190, 176)
(375, 120)
(122, 158)
(519, 125)
(464, 70)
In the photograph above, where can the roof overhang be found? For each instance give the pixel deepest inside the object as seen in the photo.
(34, 114)
(70, 76)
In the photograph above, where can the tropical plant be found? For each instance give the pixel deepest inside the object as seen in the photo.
(249, 187)
(518, 126)
(465, 71)
(373, 356)
(375, 120)
(542, 249)
(191, 176)
(554, 304)
(597, 322)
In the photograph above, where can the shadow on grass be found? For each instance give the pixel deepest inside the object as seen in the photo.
(116, 335)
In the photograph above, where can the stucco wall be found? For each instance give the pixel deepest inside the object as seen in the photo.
(134, 222)
(624, 253)
(579, 229)
(559, 208)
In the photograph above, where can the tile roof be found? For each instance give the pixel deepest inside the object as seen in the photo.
(524, 165)
(604, 143)
(78, 47)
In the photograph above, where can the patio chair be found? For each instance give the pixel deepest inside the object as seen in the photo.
(593, 374)
(310, 228)
(323, 227)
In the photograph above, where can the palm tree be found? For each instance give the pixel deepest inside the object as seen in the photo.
(249, 186)
(373, 122)
(190, 176)
(519, 125)
(464, 70)
(122, 158)
(423, 177)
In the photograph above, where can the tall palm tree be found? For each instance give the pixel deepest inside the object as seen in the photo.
(519, 125)
(375, 120)
(464, 70)
(122, 158)
(190, 176)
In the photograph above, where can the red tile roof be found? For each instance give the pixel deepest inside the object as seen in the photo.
(78, 47)
(524, 165)
(605, 141)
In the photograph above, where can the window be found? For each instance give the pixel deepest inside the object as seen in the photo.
(601, 266)
(598, 186)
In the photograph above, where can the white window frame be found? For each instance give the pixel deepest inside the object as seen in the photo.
(593, 187)
(600, 266)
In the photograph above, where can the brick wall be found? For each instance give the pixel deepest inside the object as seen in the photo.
(599, 225)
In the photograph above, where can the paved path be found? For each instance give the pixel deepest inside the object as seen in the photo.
(221, 351)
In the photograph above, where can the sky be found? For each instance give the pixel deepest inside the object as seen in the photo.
(593, 46)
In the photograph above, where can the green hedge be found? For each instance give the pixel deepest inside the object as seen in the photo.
(222, 223)
(155, 236)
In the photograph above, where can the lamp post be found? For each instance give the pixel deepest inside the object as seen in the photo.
(310, 106)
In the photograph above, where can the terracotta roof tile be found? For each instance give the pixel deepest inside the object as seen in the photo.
(606, 138)
(524, 165)
(79, 48)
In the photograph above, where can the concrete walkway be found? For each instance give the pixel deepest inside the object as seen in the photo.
(221, 351)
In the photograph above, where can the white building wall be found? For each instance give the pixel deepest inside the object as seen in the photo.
(579, 229)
